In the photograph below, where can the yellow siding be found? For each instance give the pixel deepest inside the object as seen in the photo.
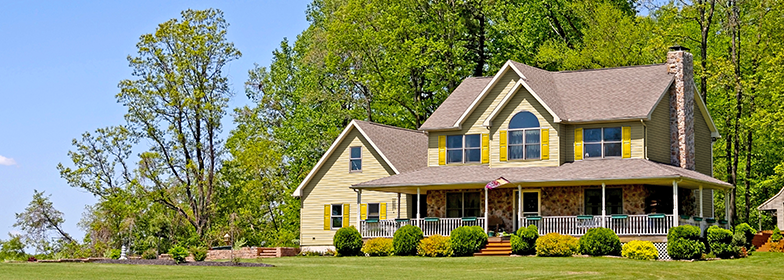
(330, 185)
(702, 144)
(473, 124)
(638, 143)
(659, 131)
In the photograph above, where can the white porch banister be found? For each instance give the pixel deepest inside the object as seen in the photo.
(430, 226)
(625, 225)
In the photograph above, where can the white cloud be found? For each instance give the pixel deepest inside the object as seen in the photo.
(7, 161)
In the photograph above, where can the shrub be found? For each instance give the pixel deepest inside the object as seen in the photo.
(435, 246)
(739, 245)
(199, 253)
(178, 253)
(524, 242)
(406, 240)
(466, 240)
(150, 254)
(600, 242)
(640, 250)
(556, 245)
(113, 254)
(378, 247)
(776, 236)
(719, 241)
(348, 241)
(683, 242)
(748, 233)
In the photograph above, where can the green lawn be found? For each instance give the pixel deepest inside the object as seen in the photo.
(759, 266)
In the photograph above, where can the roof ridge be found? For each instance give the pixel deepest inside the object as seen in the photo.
(607, 68)
(390, 126)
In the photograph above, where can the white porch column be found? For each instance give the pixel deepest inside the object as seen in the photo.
(359, 205)
(487, 221)
(604, 212)
(701, 214)
(417, 210)
(519, 206)
(727, 206)
(675, 203)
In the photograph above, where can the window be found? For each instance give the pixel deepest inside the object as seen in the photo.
(462, 204)
(602, 142)
(463, 148)
(613, 201)
(337, 216)
(524, 140)
(356, 159)
(374, 211)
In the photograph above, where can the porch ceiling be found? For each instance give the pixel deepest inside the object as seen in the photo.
(580, 173)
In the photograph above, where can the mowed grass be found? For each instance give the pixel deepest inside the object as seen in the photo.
(758, 266)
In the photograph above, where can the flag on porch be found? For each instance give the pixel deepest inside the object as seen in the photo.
(496, 183)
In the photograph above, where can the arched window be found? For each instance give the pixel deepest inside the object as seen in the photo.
(524, 140)
(523, 119)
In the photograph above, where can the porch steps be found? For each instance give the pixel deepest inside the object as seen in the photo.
(496, 247)
(267, 252)
(760, 240)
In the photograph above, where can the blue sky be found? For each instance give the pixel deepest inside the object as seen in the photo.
(60, 64)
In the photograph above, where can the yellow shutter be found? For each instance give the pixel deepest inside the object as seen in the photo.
(626, 147)
(502, 142)
(545, 143)
(327, 216)
(383, 211)
(578, 144)
(346, 215)
(363, 211)
(485, 148)
(441, 149)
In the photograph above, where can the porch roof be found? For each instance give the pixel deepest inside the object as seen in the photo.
(585, 172)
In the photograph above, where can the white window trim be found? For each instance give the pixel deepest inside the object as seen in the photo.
(602, 142)
(464, 149)
(462, 203)
(352, 158)
(332, 216)
(508, 145)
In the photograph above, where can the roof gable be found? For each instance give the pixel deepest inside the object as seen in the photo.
(401, 149)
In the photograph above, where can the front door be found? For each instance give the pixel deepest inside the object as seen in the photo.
(531, 204)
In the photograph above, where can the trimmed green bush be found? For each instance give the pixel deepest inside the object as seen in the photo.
(600, 242)
(556, 245)
(113, 254)
(720, 242)
(776, 236)
(347, 241)
(199, 253)
(178, 253)
(150, 254)
(524, 242)
(466, 240)
(640, 250)
(378, 247)
(748, 232)
(683, 242)
(406, 240)
(435, 246)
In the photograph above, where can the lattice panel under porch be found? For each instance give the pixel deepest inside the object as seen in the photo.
(661, 247)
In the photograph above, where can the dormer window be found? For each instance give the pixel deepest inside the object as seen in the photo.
(463, 148)
(524, 137)
(355, 159)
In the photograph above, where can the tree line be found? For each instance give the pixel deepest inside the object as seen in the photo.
(391, 63)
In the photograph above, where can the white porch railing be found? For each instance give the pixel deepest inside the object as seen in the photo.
(442, 226)
(579, 225)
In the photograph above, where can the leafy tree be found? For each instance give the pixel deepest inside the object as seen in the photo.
(39, 220)
(13, 249)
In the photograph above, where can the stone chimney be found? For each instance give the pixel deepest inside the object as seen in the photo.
(680, 63)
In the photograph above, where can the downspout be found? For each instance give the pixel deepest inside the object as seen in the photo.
(645, 139)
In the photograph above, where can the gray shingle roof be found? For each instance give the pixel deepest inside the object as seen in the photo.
(585, 170)
(406, 149)
(450, 110)
(575, 96)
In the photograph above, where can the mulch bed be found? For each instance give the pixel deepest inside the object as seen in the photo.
(171, 262)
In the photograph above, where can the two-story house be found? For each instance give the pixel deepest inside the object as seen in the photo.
(627, 148)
